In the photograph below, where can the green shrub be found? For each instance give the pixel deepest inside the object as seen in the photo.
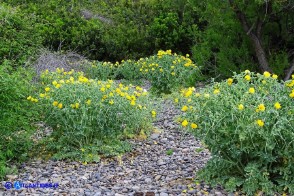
(129, 70)
(167, 71)
(247, 124)
(15, 117)
(18, 37)
(88, 115)
(100, 70)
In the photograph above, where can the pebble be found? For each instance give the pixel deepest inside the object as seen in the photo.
(146, 170)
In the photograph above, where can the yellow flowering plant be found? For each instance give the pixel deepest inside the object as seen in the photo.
(99, 70)
(167, 71)
(249, 132)
(92, 114)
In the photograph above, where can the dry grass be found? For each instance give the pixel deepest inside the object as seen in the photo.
(52, 60)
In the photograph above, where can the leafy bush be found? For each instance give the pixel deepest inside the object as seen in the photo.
(87, 115)
(167, 71)
(247, 124)
(100, 70)
(15, 116)
(18, 37)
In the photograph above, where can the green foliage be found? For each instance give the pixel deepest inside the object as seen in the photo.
(99, 70)
(247, 124)
(16, 115)
(169, 152)
(91, 116)
(18, 37)
(167, 71)
(165, 31)
(221, 46)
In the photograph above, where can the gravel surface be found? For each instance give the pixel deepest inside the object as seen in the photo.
(163, 165)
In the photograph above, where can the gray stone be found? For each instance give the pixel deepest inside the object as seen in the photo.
(148, 180)
(154, 136)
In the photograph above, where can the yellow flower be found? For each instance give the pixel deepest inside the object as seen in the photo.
(185, 123)
(111, 102)
(88, 102)
(59, 106)
(47, 89)
(139, 88)
(278, 105)
(161, 70)
(108, 85)
(55, 103)
(188, 93)
(197, 94)
(77, 105)
(102, 89)
(42, 95)
(184, 108)
(267, 74)
(206, 95)
(194, 125)
(153, 113)
(247, 77)
(173, 73)
(133, 102)
(260, 107)
(54, 82)
(260, 123)
(176, 100)
(29, 98)
(34, 100)
(291, 94)
(216, 91)
(247, 71)
(241, 107)
(230, 81)
(275, 76)
(251, 90)
(58, 85)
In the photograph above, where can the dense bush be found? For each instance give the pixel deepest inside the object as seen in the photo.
(165, 71)
(91, 114)
(15, 116)
(247, 124)
(112, 31)
(18, 36)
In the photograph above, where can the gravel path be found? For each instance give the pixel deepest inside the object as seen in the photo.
(162, 165)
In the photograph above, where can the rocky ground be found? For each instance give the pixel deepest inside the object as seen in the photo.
(164, 164)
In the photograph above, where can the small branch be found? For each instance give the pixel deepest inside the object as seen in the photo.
(249, 31)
